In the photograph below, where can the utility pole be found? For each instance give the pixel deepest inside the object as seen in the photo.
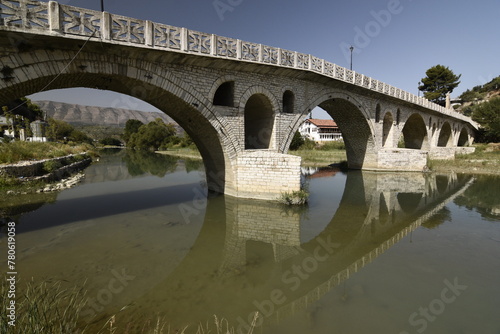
(352, 49)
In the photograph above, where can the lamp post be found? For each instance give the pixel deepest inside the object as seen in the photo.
(352, 49)
(419, 83)
(102, 5)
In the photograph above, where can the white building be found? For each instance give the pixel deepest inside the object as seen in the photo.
(320, 130)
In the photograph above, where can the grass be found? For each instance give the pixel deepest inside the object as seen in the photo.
(317, 156)
(299, 197)
(17, 151)
(320, 158)
(183, 153)
(485, 160)
(46, 307)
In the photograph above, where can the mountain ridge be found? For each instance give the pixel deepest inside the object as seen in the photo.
(76, 114)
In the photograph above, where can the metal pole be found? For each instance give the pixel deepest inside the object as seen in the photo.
(352, 49)
(102, 5)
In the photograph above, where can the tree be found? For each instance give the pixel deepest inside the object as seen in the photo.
(153, 136)
(488, 115)
(132, 126)
(79, 137)
(59, 130)
(297, 141)
(438, 82)
(110, 141)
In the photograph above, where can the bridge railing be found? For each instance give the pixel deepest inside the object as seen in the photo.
(54, 19)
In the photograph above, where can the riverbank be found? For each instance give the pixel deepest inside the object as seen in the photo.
(182, 153)
(485, 160)
(310, 158)
(44, 175)
(41, 167)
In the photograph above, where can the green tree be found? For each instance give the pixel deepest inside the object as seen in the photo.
(488, 115)
(59, 130)
(439, 80)
(471, 95)
(132, 126)
(153, 136)
(78, 136)
(297, 141)
(110, 141)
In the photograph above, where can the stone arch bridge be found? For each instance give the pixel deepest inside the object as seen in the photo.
(241, 102)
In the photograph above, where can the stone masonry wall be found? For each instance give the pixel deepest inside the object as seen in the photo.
(402, 159)
(265, 174)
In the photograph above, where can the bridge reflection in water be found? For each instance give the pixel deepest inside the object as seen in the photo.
(249, 256)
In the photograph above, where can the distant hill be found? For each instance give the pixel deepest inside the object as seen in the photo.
(87, 115)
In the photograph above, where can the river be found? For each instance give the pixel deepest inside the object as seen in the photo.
(371, 253)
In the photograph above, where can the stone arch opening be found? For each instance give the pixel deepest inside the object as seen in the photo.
(377, 113)
(259, 122)
(445, 138)
(288, 102)
(356, 131)
(415, 133)
(174, 97)
(387, 131)
(224, 95)
(463, 139)
(398, 116)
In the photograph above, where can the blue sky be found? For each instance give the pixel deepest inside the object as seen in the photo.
(395, 41)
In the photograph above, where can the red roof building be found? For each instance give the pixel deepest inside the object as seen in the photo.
(320, 130)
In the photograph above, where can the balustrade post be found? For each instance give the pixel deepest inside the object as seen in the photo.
(54, 16)
(106, 26)
(261, 53)
(238, 49)
(213, 45)
(184, 40)
(148, 33)
(279, 57)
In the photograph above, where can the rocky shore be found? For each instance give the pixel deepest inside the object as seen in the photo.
(51, 174)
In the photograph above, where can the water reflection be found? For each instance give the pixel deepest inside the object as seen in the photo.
(483, 196)
(249, 256)
(140, 162)
(162, 248)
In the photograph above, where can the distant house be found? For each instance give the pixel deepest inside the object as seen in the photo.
(320, 130)
(5, 127)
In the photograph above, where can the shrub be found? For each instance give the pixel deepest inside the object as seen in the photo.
(297, 141)
(332, 145)
(299, 197)
(110, 141)
(51, 165)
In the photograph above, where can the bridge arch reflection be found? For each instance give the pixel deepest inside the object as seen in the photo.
(251, 255)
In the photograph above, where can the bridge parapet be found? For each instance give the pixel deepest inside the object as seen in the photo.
(56, 19)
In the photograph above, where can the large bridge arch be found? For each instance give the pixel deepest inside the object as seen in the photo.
(463, 137)
(39, 70)
(445, 136)
(415, 133)
(352, 118)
